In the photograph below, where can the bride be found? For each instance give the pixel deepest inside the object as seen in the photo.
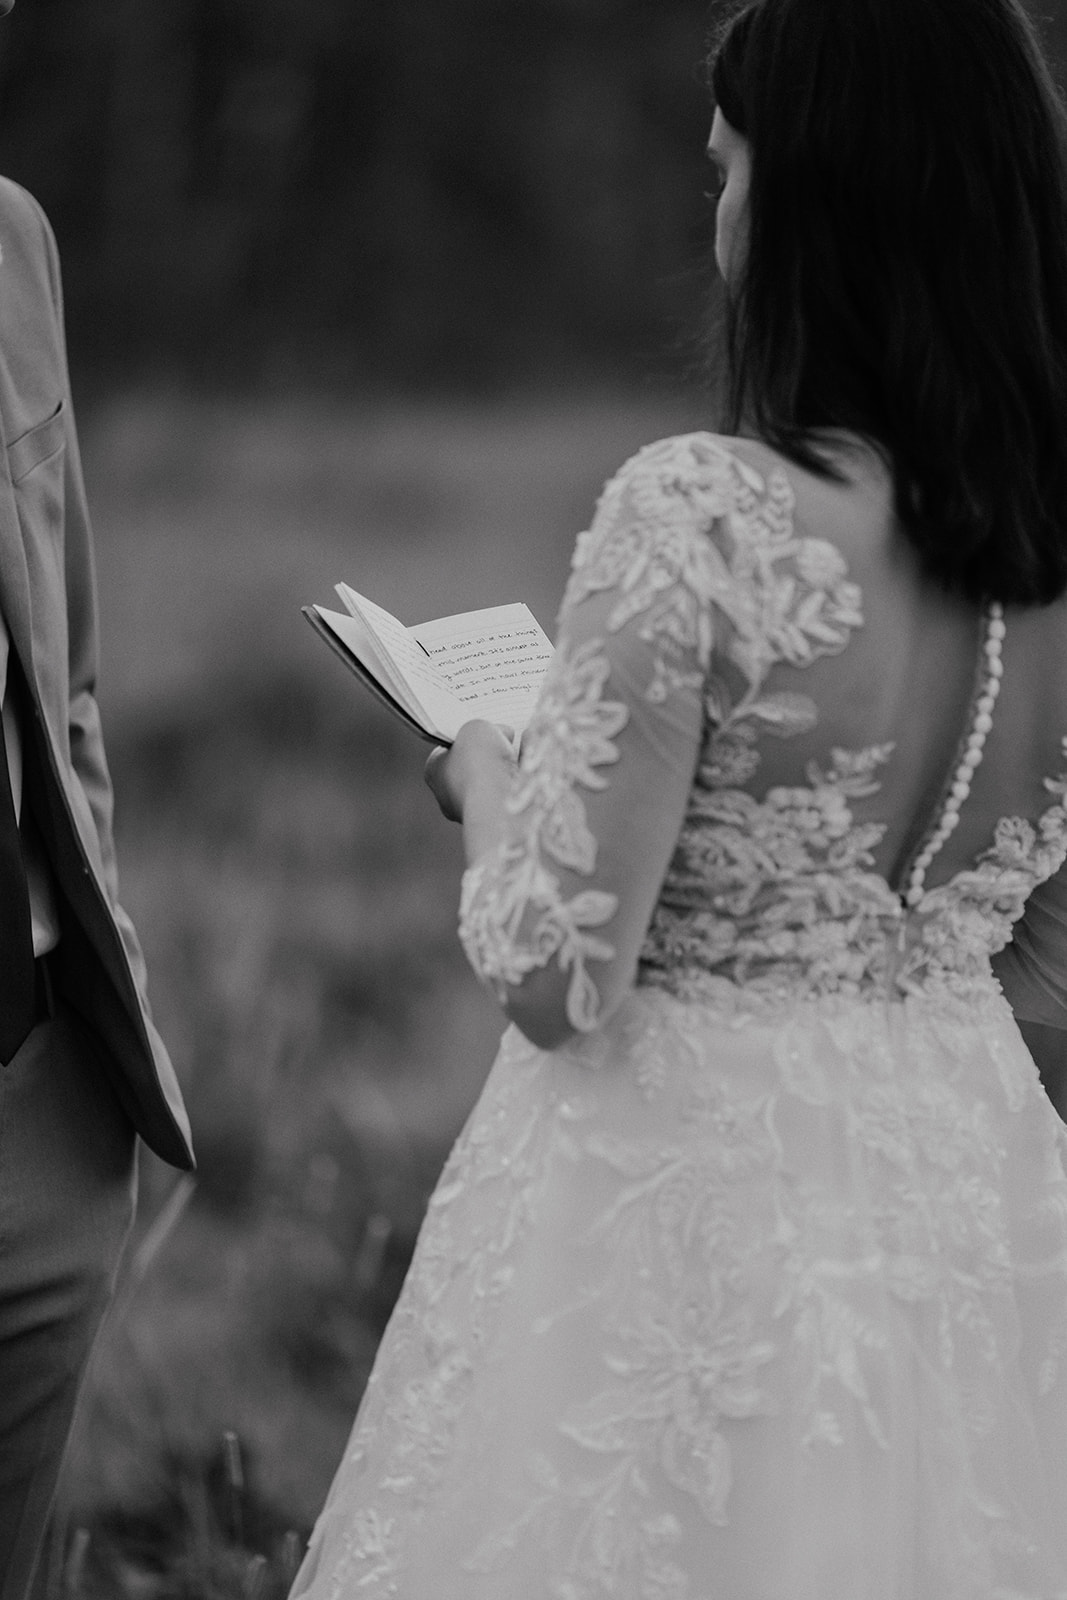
(747, 1279)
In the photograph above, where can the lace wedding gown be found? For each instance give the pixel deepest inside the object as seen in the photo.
(757, 1289)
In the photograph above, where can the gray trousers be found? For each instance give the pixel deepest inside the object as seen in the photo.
(67, 1184)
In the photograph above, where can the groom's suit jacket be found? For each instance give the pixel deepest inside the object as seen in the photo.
(48, 602)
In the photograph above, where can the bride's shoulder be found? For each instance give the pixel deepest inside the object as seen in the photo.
(702, 458)
(696, 480)
(750, 466)
(722, 522)
(746, 491)
(693, 505)
(710, 472)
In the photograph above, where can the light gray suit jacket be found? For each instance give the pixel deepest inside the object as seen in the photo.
(48, 599)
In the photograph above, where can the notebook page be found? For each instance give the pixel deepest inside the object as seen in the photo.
(358, 648)
(359, 639)
(494, 660)
(408, 671)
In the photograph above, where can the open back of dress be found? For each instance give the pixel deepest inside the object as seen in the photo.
(756, 1289)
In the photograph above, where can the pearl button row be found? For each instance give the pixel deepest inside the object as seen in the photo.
(992, 671)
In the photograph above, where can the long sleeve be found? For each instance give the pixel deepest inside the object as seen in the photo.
(554, 917)
(88, 760)
(86, 740)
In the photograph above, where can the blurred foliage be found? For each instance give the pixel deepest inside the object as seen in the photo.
(357, 189)
(304, 924)
(351, 191)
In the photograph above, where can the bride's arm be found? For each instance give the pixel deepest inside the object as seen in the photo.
(1032, 971)
(1032, 968)
(569, 846)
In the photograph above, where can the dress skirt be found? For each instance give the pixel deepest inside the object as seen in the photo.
(719, 1305)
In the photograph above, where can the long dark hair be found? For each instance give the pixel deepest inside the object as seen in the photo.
(905, 276)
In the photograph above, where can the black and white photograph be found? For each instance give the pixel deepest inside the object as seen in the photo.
(533, 810)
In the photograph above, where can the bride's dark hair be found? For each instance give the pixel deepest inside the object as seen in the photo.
(905, 276)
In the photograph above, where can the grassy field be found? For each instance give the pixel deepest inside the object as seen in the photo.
(295, 890)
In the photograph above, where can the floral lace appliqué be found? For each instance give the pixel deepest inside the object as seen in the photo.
(960, 924)
(513, 915)
(753, 594)
(712, 1259)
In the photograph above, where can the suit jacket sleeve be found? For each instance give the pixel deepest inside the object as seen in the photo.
(86, 737)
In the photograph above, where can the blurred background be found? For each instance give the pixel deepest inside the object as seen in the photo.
(379, 290)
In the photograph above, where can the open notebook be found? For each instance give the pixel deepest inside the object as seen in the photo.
(437, 675)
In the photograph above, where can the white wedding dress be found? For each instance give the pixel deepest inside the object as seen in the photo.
(757, 1289)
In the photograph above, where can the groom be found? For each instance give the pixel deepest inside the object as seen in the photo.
(82, 1070)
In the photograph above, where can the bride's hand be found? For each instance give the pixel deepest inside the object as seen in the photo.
(481, 754)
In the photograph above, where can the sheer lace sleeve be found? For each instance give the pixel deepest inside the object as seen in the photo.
(1032, 969)
(554, 917)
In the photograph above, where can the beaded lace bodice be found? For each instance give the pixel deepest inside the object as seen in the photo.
(692, 587)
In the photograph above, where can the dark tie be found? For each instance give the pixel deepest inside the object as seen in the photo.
(16, 931)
